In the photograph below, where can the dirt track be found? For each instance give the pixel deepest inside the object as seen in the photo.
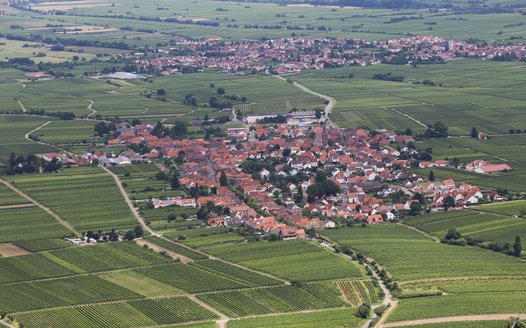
(480, 317)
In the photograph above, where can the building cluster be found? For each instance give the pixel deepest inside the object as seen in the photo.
(293, 54)
(272, 178)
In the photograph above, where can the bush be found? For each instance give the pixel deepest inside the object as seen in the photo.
(363, 311)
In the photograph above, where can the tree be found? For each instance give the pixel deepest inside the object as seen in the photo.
(223, 181)
(415, 208)
(220, 91)
(474, 132)
(449, 202)
(273, 236)
(452, 234)
(129, 235)
(139, 231)
(408, 132)
(431, 176)
(299, 196)
(175, 184)
(441, 128)
(161, 92)
(179, 128)
(517, 247)
(363, 311)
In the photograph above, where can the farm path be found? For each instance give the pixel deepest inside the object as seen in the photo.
(24, 109)
(57, 217)
(6, 207)
(224, 319)
(132, 208)
(388, 297)
(5, 323)
(422, 232)
(408, 116)
(480, 317)
(90, 108)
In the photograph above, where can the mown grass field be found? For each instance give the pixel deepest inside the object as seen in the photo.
(87, 197)
(294, 259)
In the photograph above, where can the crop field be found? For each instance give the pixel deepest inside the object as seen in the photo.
(140, 284)
(275, 299)
(12, 132)
(408, 255)
(358, 291)
(294, 259)
(52, 293)
(306, 103)
(27, 223)
(466, 98)
(66, 132)
(29, 267)
(488, 227)
(241, 275)
(86, 197)
(148, 312)
(184, 251)
(103, 257)
(9, 197)
(331, 319)
(190, 278)
(506, 208)
(347, 21)
(462, 324)
(212, 241)
(39, 245)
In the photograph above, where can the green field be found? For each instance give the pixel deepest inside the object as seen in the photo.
(408, 255)
(295, 259)
(329, 318)
(28, 223)
(86, 197)
(488, 227)
(10, 197)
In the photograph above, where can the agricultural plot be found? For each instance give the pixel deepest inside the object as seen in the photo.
(466, 98)
(466, 324)
(285, 106)
(86, 197)
(238, 274)
(212, 241)
(408, 255)
(488, 227)
(330, 318)
(294, 259)
(142, 313)
(30, 267)
(103, 257)
(140, 284)
(184, 251)
(66, 132)
(39, 245)
(28, 223)
(9, 197)
(358, 291)
(12, 132)
(190, 278)
(52, 293)
(507, 149)
(275, 299)
(506, 208)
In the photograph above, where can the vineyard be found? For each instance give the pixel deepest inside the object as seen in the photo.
(29, 267)
(103, 257)
(184, 251)
(282, 106)
(189, 278)
(358, 292)
(243, 276)
(147, 312)
(275, 299)
(39, 245)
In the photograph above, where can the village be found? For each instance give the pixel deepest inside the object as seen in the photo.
(294, 54)
(287, 180)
